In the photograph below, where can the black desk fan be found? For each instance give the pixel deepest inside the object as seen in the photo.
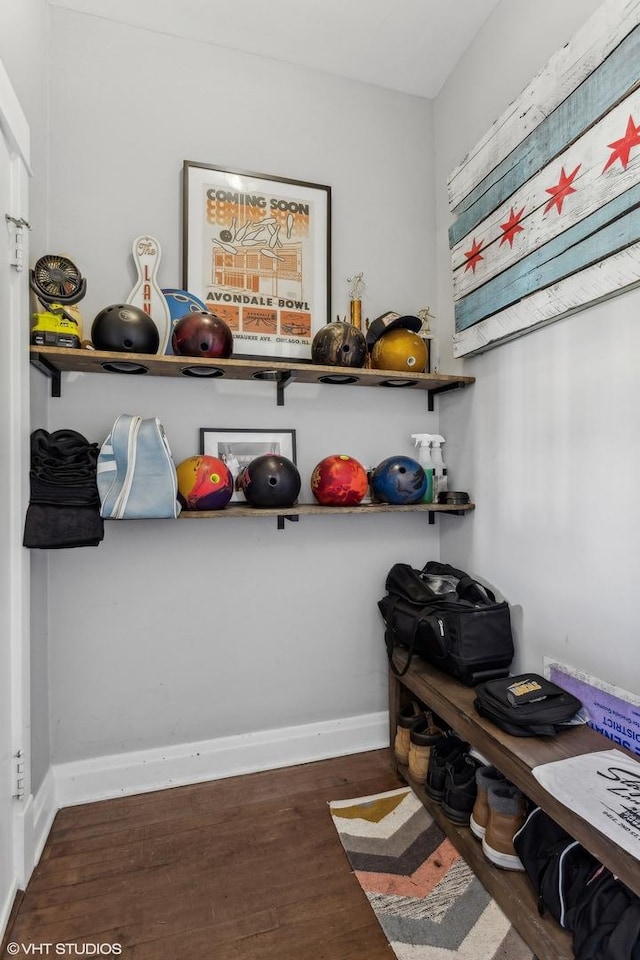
(58, 285)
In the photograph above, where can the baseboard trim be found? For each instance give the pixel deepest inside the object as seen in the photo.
(45, 807)
(32, 828)
(124, 774)
(6, 910)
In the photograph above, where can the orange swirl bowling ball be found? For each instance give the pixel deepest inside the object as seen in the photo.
(204, 483)
(339, 481)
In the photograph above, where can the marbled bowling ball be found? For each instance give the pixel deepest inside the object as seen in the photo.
(270, 481)
(339, 344)
(204, 483)
(398, 480)
(202, 334)
(179, 303)
(339, 480)
(400, 350)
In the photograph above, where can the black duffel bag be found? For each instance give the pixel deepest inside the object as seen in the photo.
(449, 619)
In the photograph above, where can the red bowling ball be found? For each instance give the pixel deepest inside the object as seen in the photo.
(202, 334)
(339, 480)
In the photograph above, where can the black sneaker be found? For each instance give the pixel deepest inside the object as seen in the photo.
(443, 751)
(460, 788)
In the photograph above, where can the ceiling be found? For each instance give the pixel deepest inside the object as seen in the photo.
(406, 45)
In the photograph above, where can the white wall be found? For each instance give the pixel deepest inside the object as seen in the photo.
(547, 440)
(175, 632)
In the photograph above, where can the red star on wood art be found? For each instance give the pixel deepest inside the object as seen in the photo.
(623, 147)
(511, 227)
(561, 190)
(473, 256)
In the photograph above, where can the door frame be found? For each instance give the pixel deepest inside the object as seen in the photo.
(14, 363)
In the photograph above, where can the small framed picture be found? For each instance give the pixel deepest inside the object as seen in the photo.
(257, 250)
(239, 447)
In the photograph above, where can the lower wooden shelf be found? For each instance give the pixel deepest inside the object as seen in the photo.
(511, 889)
(453, 704)
(315, 509)
(516, 756)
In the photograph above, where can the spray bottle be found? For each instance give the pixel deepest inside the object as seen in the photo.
(439, 468)
(423, 442)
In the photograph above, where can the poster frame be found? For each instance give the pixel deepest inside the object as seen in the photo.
(278, 310)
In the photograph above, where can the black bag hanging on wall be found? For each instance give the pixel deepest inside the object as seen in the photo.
(64, 505)
(449, 619)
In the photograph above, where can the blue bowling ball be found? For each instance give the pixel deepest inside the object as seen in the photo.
(399, 480)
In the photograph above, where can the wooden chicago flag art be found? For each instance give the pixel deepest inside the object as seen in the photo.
(547, 205)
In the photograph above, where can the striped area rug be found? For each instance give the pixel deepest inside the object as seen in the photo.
(429, 903)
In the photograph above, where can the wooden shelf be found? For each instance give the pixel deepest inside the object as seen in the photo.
(542, 933)
(515, 757)
(53, 361)
(307, 509)
(315, 509)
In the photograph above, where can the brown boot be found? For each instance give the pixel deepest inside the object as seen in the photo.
(406, 718)
(485, 777)
(507, 813)
(422, 736)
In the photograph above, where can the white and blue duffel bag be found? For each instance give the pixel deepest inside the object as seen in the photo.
(136, 474)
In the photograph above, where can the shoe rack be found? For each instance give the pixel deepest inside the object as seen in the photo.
(452, 703)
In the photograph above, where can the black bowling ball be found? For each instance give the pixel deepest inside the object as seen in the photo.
(123, 328)
(270, 481)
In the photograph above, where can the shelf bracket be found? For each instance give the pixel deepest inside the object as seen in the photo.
(284, 379)
(449, 513)
(49, 371)
(285, 516)
(447, 386)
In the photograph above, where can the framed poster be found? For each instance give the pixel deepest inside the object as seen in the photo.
(256, 249)
(238, 447)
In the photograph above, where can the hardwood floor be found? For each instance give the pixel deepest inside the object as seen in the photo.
(249, 868)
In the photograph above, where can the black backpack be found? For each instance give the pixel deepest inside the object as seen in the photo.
(578, 891)
(558, 867)
(447, 618)
(526, 705)
(607, 921)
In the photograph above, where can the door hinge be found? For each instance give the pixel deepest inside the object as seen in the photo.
(18, 793)
(19, 223)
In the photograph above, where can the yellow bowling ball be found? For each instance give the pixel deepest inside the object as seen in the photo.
(399, 349)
